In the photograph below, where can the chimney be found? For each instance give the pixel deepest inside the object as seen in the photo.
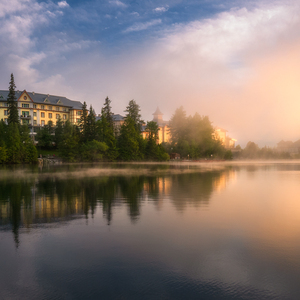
(32, 93)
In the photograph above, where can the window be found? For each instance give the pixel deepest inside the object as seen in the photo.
(42, 115)
(78, 113)
(57, 108)
(43, 122)
(25, 113)
(6, 120)
(34, 106)
(50, 107)
(65, 117)
(77, 120)
(5, 113)
(50, 115)
(25, 105)
(65, 109)
(34, 113)
(42, 106)
(57, 116)
(5, 104)
(34, 122)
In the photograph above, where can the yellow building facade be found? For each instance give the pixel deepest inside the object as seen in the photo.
(164, 130)
(38, 109)
(221, 135)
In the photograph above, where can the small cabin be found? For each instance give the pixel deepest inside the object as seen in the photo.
(175, 156)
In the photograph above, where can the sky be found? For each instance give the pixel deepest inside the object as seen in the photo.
(236, 61)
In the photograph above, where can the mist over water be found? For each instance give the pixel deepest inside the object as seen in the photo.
(153, 231)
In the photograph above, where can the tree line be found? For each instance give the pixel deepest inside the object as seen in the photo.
(192, 137)
(95, 140)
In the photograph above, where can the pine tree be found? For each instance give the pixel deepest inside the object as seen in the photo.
(133, 111)
(13, 115)
(14, 144)
(152, 128)
(128, 141)
(68, 148)
(58, 132)
(106, 134)
(91, 125)
(106, 110)
(106, 131)
(83, 123)
(152, 150)
(3, 149)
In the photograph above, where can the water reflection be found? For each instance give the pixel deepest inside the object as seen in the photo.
(44, 198)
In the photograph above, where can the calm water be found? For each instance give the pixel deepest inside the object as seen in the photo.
(181, 231)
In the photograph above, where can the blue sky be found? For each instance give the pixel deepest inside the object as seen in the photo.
(235, 61)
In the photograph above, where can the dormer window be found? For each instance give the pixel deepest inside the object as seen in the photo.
(46, 100)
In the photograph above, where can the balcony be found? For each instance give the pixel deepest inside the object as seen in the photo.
(25, 117)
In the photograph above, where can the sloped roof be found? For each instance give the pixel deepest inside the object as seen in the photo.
(117, 117)
(283, 143)
(297, 144)
(157, 112)
(40, 99)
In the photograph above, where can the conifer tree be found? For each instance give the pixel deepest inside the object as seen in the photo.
(133, 111)
(58, 132)
(128, 141)
(3, 149)
(106, 131)
(13, 115)
(68, 147)
(91, 125)
(106, 110)
(83, 123)
(14, 144)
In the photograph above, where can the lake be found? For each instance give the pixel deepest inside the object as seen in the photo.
(150, 231)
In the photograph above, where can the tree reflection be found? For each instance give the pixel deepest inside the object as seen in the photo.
(25, 202)
(132, 189)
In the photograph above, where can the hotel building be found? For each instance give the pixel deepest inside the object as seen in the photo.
(38, 109)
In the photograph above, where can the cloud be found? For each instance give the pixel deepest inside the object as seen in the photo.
(12, 6)
(161, 9)
(142, 26)
(219, 68)
(117, 3)
(135, 14)
(240, 67)
(63, 4)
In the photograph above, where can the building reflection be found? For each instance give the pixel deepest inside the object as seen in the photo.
(28, 203)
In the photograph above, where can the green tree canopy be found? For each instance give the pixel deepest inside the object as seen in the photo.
(83, 123)
(13, 115)
(106, 112)
(128, 141)
(133, 112)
